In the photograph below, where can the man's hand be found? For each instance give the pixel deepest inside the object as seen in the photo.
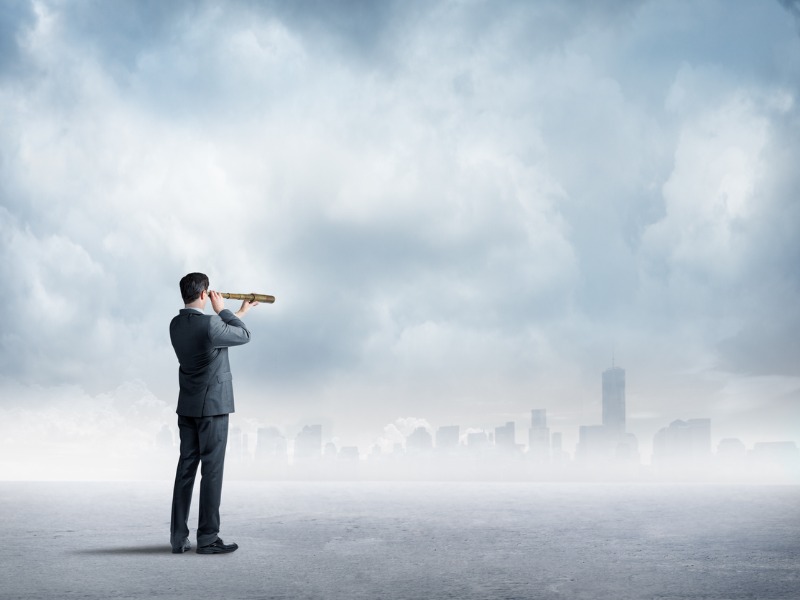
(217, 301)
(246, 305)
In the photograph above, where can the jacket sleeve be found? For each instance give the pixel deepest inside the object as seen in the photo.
(226, 329)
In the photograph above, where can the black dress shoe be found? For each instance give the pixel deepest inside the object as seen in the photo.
(217, 547)
(181, 549)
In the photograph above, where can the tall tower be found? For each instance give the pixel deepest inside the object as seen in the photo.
(539, 435)
(614, 399)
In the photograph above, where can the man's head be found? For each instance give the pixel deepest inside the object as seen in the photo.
(192, 287)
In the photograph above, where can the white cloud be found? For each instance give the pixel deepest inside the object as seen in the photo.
(460, 209)
(713, 190)
(63, 432)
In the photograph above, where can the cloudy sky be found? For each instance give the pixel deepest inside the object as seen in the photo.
(464, 209)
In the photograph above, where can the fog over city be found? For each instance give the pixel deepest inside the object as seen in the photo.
(466, 211)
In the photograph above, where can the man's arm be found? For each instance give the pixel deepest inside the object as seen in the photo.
(229, 329)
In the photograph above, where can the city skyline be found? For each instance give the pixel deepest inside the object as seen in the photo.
(683, 452)
(601, 444)
(679, 441)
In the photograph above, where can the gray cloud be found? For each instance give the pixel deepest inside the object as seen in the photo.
(793, 7)
(461, 207)
(16, 16)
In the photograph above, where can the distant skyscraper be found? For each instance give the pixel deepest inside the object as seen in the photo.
(349, 453)
(447, 438)
(778, 454)
(538, 418)
(683, 440)
(595, 443)
(557, 448)
(539, 436)
(731, 449)
(614, 399)
(609, 441)
(419, 441)
(270, 444)
(477, 440)
(235, 447)
(330, 451)
(505, 437)
(308, 443)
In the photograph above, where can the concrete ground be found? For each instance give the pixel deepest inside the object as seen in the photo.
(408, 541)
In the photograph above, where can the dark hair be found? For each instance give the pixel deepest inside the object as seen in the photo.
(192, 285)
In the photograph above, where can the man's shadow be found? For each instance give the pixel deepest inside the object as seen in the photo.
(160, 549)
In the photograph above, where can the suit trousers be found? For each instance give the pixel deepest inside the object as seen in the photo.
(203, 441)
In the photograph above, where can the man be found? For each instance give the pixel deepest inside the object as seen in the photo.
(205, 399)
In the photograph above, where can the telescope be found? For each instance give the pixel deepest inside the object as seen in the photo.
(249, 297)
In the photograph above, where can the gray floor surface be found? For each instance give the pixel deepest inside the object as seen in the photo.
(408, 541)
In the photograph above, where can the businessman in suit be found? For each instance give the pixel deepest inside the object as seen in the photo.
(205, 399)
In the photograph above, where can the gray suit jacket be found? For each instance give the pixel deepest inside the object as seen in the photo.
(201, 344)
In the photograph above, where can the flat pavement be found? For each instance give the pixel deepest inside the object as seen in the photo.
(382, 540)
